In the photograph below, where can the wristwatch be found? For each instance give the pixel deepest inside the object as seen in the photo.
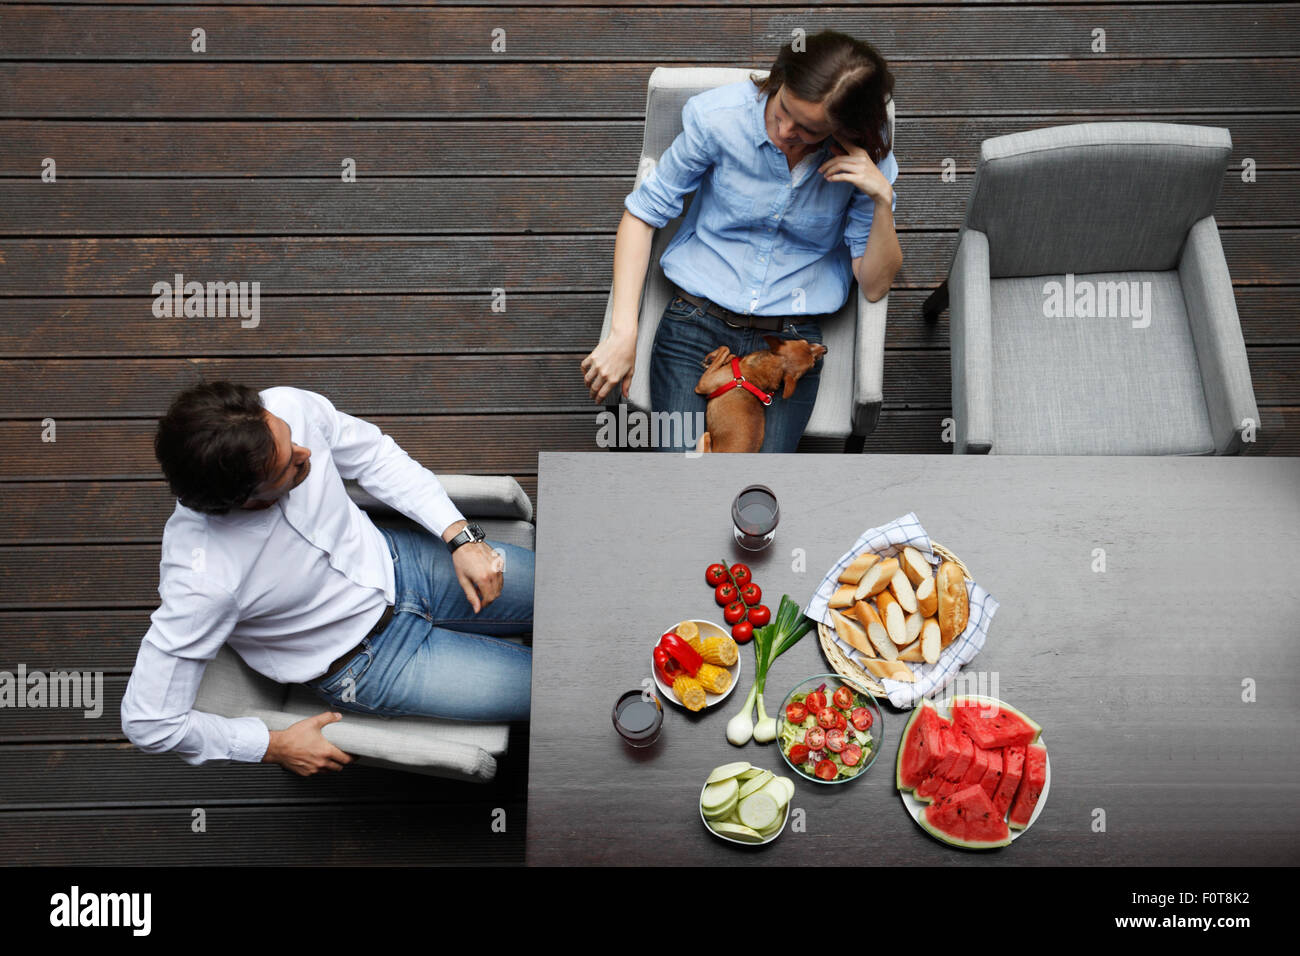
(471, 532)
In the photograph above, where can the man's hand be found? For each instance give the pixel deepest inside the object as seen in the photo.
(851, 164)
(478, 568)
(303, 748)
(609, 365)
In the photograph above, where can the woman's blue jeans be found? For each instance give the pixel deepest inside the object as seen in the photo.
(437, 658)
(687, 334)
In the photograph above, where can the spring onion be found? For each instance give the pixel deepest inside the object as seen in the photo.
(770, 642)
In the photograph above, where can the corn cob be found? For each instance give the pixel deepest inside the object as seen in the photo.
(689, 633)
(689, 692)
(714, 679)
(719, 650)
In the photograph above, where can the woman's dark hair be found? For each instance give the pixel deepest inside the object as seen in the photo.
(214, 446)
(849, 78)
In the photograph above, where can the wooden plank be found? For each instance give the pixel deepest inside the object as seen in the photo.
(564, 90)
(443, 206)
(118, 450)
(1033, 31)
(308, 325)
(375, 834)
(434, 34)
(119, 149)
(468, 206)
(72, 640)
(434, 325)
(469, 264)
(262, 33)
(55, 776)
(38, 389)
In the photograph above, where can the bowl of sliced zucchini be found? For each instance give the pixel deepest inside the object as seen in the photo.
(740, 803)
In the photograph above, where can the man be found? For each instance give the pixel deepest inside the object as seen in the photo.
(266, 551)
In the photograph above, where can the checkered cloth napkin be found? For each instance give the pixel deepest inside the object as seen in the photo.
(930, 678)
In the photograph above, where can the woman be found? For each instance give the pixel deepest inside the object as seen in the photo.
(795, 178)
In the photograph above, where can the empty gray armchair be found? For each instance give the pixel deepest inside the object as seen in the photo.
(443, 748)
(1091, 308)
(852, 377)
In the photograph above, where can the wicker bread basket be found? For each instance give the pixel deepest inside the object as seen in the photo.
(843, 665)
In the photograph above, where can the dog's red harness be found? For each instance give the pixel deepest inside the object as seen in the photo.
(741, 382)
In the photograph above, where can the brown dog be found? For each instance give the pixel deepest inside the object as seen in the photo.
(735, 419)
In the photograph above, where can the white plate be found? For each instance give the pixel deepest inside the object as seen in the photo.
(916, 807)
(721, 836)
(707, 629)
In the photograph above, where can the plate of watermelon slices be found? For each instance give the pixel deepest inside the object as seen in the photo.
(973, 771)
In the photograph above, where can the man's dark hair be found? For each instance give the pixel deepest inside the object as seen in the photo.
(214, 446)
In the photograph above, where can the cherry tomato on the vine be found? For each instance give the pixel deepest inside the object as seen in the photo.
(742, 632)
(716, 574)
(760, 616)
(740, 574)
(734, 612)
(725, 593)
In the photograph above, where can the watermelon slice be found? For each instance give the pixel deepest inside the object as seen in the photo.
(993, 776)
(955, 778)
(1013, 765)
(941, 773)
(1031, 787)
(991, 724)
(977, 769)
(921, 748)
(968, 819)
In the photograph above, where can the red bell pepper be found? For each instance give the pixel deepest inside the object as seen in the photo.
(682, 653)
(667, 668)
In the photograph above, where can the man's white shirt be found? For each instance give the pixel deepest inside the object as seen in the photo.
(290, 587)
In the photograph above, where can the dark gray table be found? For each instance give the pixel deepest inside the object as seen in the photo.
(1137, 674)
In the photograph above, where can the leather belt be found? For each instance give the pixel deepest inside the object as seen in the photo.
(375, 631)
(738, 320)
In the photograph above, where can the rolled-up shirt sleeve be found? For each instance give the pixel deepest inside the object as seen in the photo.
(857, 228)
(663, 192)
(186, 632)
(362, 452)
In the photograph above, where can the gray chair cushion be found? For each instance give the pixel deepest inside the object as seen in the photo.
(1095, 385)
(1095, 197)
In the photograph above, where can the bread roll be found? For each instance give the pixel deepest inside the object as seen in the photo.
(902, 589)
(891, 612)
(843, 596)
(876, 579)
(880, 641)
(914, 622)
(912, 652)
(851, 633)
(915, 566)
(931, 643)
(853, 573)
(865, 613)
(954, 604)
(927, 598)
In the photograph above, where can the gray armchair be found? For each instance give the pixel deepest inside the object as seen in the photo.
(1091, 308)
(440, 748)
(852, 377)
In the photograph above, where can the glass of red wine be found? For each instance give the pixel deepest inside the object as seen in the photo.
(754, 516)
(638, 718)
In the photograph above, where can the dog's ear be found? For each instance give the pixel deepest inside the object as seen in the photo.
(791, 380)
(818, 350)
(773, 343)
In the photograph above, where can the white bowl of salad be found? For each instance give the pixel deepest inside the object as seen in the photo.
(830, 729)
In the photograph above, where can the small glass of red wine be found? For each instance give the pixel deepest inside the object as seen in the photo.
(638, 718)
(754, 516)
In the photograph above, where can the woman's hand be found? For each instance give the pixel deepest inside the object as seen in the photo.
(609, 364)
(851, 164)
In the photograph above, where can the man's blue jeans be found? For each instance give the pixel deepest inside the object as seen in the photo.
(436, 658)
(687, 334)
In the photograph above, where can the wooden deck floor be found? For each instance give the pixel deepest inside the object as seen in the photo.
(476, 170)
